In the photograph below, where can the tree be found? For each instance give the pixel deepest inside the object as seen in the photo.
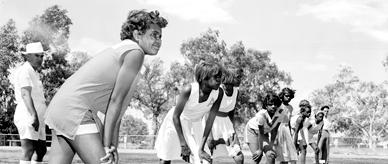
(153, 93)
(207, 47)
(262, 74)
(133, 126)
(357, 107)
(77, 59)
(52, 29)
(9, 44)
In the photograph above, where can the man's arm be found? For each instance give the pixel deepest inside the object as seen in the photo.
(27, 99)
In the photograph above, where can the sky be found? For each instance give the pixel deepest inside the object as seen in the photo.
(309, 39)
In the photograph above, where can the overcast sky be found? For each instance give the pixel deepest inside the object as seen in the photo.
(307, 38)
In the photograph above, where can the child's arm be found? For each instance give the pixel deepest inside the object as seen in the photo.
(231, 113)
(182, 99)
(310, 138)
(297, 128)
(128, 71)
(209, 124)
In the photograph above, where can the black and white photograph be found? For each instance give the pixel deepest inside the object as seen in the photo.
(193, 81)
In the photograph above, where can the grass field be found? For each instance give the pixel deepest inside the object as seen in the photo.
(10, 156)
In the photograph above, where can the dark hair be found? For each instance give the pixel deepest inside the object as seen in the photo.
(205, 70)
(140, 20)
(323, 108)
(287, 90)
(231, 75)
(227, 77)
(303, 105)
(271, 98)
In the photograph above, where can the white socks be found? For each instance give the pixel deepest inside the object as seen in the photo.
(24, 162)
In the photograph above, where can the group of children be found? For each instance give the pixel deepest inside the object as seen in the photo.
(88, 107)
(203, 123)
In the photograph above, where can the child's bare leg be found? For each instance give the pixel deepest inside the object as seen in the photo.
(239, 158)
(89, 147)
(327, 148)
(302, 155)
(254, 148)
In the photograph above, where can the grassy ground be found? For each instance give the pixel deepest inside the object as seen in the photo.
(11, 155)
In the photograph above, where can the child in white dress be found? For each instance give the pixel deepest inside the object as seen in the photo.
(324, 142)
(181, 135)
(299, 124)
(223, 138)
(315, 132)
(286, 150)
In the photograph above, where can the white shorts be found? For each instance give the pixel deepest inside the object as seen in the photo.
(88, 125)
(26, 131)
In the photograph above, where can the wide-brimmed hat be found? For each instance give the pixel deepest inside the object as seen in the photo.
(33, 48)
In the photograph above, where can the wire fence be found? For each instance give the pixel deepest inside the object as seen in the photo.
(147, 142)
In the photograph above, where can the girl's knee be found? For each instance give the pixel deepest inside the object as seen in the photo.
(239, 158)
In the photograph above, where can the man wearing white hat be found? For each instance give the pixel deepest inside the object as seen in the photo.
(31, 105)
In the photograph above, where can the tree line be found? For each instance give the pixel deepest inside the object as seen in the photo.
(360, 108)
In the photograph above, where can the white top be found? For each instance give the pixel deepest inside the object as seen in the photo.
(228, 102)
(25, 76)
(193, 110)
(315, 128)
(303, 132)
(288, 109)
(326, 124)
(262, 118)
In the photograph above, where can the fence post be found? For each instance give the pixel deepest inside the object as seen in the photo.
(125, 141)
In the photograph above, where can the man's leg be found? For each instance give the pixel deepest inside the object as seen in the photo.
(40, 149)
(27, 150)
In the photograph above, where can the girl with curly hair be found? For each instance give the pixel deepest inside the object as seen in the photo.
(223, 139)
(86, 111)
(286, 149)
(299, 125)
(261, 130)
(181, 135)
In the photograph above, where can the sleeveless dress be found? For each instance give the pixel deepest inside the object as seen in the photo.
(314, 131)
(223, 127)
(167, 144)
(303, 133)
(88, 91)
(286, 150)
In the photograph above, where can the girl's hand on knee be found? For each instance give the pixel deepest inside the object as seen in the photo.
(185, 153)
(111, 154)
(271, 154)
(204, 156)
(257, 155)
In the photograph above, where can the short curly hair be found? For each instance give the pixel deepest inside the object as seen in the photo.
(231, 75)
(206, 69)
(287, 90)
(140, 20)
(323, 108)
(272, 98)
